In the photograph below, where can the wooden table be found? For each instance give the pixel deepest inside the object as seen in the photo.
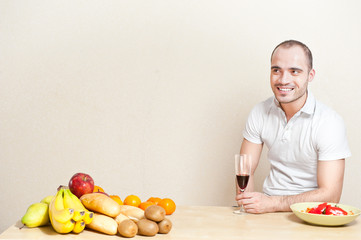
(200, 222)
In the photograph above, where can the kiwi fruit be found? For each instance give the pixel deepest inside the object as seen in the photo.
(147, 227)
(165, 226)
(127, 228)
(154, 213)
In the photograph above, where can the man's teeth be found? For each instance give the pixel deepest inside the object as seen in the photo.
(285, 89)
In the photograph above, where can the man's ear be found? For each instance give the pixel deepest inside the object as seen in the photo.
(311, 75)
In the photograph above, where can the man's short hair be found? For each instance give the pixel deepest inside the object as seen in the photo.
(291, 43)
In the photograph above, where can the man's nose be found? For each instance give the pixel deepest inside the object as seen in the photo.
(284, 78)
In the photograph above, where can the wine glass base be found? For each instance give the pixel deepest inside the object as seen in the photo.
(239, 212)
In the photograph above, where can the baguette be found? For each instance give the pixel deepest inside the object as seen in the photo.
(132, 212)
(104, 224)
(101, 203)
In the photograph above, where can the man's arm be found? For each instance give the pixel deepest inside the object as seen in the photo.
(330, 181)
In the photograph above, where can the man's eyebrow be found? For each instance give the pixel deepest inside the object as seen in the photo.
(296, 69)
(292, 68)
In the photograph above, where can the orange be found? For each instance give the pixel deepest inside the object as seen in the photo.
(117, 199)
(168, 205)
(132, 200)
(98, 189)
(156, 200)
(144, 205)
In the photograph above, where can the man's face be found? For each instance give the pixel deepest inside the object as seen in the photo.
(290, 74)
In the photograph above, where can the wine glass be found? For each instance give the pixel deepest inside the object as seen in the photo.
(243, 171)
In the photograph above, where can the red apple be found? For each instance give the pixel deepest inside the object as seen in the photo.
(80, 184)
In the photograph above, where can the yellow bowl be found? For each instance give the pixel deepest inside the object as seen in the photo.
(299, 209)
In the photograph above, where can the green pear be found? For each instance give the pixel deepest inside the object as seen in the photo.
(37, 215)
(47, 199)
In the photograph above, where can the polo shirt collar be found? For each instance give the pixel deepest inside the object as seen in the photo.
(309, 106)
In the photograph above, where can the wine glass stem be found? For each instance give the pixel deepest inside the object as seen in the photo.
(241, 207)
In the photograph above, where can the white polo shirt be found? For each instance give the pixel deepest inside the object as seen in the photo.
(315, 133)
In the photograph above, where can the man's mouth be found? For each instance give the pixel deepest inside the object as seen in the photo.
(282, 89)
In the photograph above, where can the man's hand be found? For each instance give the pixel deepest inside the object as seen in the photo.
(256, 202)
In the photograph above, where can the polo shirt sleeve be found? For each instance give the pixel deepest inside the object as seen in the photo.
(331, 138)
(254, 124)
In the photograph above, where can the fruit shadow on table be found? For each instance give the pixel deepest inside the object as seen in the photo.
(45, 229)
(294, 218)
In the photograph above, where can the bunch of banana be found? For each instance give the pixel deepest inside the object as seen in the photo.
(80, 212)
(66, 214)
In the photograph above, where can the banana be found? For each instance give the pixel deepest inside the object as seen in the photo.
(57, 211)
(66, 227)
(88, 218)
(79, 226)
(61, 217)
(78, 206)
(79, 213)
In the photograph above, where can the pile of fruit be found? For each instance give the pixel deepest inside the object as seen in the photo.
(82, 205)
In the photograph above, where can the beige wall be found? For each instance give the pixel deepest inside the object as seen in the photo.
(150, 97)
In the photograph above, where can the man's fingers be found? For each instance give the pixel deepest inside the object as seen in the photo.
(244, 195)
(247, 202)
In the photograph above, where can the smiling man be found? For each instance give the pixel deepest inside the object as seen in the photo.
(306, 140)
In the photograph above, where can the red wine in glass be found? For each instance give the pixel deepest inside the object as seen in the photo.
(242, 180)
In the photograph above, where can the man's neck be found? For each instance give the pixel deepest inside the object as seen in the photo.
(292, 108)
